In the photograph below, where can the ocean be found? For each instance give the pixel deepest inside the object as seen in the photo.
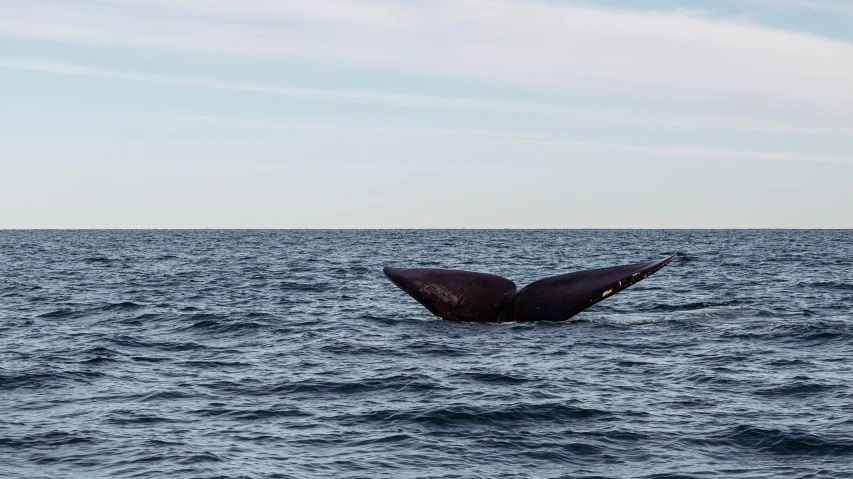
(288, 354)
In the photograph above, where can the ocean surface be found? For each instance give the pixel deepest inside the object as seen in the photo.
(287, 354)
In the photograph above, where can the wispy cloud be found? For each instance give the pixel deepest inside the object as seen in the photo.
(556, 111)
(374, 98)
(578, 145)
(556, 45)
(835, 8)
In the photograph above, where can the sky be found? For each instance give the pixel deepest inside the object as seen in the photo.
(426, 114)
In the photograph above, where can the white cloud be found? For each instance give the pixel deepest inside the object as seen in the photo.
(375, 14)
(556, 45)
(578, 146)
(835, 8)
(393, 99)
(555, 111)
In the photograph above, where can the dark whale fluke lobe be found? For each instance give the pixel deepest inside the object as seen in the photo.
(455, 295)
(486, 298)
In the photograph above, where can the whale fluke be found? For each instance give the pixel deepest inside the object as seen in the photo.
(479, 297)
(455, 295)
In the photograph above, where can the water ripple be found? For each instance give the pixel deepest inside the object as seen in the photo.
(287, 354)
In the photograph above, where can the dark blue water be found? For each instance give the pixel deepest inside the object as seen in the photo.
(262, 354)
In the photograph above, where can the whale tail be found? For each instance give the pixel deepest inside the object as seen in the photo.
(479, 297)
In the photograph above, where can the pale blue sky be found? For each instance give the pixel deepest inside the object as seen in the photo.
(439, 113)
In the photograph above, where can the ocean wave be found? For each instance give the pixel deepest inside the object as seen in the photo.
(784, 442)
(288, 354)
(492, 378)
(99, 260)
(457, 416)
(831, 285)
(798, 388)
(49, 439)
(47, 380)
(695, 306)
(362, 386)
